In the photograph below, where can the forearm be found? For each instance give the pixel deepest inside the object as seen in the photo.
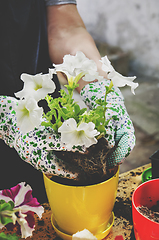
(67, 35)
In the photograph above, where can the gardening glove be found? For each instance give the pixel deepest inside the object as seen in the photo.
(120, 130)
(36, 147)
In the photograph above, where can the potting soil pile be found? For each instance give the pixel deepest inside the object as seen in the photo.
(152, 213)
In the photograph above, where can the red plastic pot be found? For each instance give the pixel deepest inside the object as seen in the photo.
(147, 194)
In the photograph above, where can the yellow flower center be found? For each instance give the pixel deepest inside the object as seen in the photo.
(37, 86)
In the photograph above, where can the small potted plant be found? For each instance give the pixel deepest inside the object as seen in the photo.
(145, 210)
(83, 146)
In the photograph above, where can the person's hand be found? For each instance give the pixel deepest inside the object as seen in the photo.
(120, 130)
(121, 150)
(36, 147)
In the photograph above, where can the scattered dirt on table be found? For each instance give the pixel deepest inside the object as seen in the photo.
(123, 208)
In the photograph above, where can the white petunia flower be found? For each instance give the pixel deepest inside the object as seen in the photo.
(72, 66)
(28, 114)
(106, 65)
(36, 86)
(117, 79)
(120, 81)
(73, 135)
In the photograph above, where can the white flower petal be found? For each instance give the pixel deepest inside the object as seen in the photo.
(47, 86)
(106, 64)
(26, 231)
(52, 71)
(72, 135)
(39, 210)
(89, 134)
(28, 77)
(117, 79)
(87, 141)
(120, 81)
(68, 137)
(19, 198)
(29, 85)
(35, 112)
(20, 94)
(37, 86)
(68, 125)
(72, 66)
(5, 198)
(28, 115)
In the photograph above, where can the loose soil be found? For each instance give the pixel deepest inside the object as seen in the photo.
(152, 213)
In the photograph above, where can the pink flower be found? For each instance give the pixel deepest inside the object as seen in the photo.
(24, 207)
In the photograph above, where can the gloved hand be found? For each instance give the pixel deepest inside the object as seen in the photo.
(120, 131)
(36, 147)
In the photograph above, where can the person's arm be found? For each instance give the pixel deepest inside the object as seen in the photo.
(67, 34)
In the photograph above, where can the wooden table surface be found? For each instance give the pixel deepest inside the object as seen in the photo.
(123, 225)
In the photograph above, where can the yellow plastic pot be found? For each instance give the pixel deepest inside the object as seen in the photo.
(75, 208)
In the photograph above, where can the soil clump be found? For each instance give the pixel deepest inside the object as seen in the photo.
(91, 165)
(152, 213)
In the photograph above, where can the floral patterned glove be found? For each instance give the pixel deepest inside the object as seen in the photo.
(35, 147)
(120, 130)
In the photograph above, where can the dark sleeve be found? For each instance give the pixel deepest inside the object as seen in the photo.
(58, 2)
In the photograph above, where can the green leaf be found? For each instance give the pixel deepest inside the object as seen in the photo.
(6, 206)
(5, 220)
(46, 124)
(64, 110)
(101, 129)
(2, 201)
(4, 236)
(82, 111)
(11, 204)
(77, 109)
(107, 89)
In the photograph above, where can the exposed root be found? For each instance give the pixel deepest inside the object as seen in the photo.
(92, 165)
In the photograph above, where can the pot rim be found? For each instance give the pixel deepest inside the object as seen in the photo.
(85, 186)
